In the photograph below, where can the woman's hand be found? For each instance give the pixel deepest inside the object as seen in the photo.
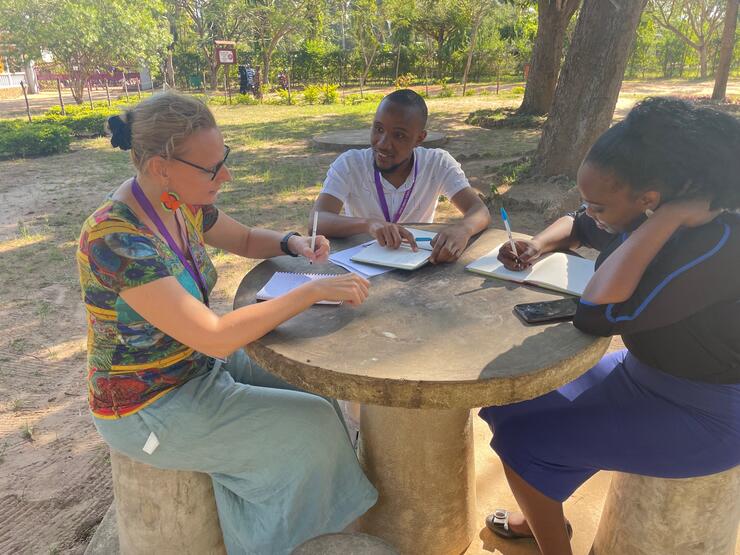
(528, 252)
(302, 246)
(349, 288)
(391, 235)
(688, 213)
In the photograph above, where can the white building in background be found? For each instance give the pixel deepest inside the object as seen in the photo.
(11, 76)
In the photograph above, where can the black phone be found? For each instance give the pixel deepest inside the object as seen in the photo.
(547, 311)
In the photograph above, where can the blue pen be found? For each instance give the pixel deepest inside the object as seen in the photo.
(420, 239)
(505, 216)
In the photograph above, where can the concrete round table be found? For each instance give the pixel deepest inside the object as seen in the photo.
(425, 348)
(360, 138)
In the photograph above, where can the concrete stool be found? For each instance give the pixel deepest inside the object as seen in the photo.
(345, 544)
(164, 511)
(658, 516)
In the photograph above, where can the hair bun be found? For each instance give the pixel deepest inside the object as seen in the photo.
(120, 132)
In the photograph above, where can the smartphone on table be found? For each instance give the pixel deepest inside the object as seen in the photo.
(547, 311)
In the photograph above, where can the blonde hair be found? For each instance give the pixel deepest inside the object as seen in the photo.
(159, 125)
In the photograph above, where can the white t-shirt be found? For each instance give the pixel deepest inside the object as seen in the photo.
(351, 179)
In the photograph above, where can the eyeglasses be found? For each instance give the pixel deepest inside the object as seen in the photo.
(214, 170)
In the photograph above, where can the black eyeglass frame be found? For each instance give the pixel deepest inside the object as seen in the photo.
(213, 171)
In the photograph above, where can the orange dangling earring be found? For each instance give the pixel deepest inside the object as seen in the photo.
(170, 201)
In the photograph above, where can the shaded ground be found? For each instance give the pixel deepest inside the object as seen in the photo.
(54, 470)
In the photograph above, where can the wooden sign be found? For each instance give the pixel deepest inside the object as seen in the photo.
(225, 52)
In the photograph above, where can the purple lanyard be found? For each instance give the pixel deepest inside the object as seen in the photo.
(192, 269)
(404, 200)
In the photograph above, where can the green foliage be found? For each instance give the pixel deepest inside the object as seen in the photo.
(82, 120)
(517, 90)
(247, 99)
(446, 91)
(405, 81)
(311, 94)
(504, 117)
(329, 94)
(372, 98)
(20, 140)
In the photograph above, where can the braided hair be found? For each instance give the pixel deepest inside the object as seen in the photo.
(676, 148)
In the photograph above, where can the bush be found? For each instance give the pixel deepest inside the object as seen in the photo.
(368, 97)
(245, 99)
(19, 139)
(329, 94)
(445, 91)
(83, 123)
(517, 90)
(311, 94)
(470, 92)
(405, 81)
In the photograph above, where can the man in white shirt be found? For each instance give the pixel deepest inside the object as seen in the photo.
(397, 181)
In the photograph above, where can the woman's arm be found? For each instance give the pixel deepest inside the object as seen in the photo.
(617, 278)
(164, 303)
(234, 237)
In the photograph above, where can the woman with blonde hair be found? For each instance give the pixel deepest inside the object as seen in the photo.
(161, 390)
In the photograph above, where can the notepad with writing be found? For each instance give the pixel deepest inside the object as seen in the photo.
(283, 282)
(558, 271)
(402, 257)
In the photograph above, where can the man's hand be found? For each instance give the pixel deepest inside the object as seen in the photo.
(449, 244)
(391, 235)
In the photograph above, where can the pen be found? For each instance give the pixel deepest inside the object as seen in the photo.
(505, 216)
(313, 233)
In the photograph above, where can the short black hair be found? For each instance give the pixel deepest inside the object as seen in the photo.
(409, 99)
(677, 148)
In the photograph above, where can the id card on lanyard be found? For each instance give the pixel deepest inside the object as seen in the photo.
(404, 201)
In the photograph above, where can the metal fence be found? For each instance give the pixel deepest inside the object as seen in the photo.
(8, 80)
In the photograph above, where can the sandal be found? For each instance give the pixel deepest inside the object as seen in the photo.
(498, 523)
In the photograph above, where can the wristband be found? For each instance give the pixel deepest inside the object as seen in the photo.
(284, 244)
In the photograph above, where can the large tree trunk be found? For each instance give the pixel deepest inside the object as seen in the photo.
(552, 22)
(589, 84)
(725, 53)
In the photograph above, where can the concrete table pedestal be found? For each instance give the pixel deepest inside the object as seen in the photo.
(424, 349)
(420, 458)
(164, 511)
(657, 516)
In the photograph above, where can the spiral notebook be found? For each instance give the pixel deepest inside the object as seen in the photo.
(283, 282)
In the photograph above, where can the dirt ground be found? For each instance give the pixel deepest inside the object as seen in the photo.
(55, 481)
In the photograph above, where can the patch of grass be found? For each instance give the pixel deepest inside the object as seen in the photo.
(18, 345)
(510, 173)
(3, 449)
(504, 117)
(27, 432)
(16, 405)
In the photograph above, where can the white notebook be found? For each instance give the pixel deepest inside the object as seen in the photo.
(402, 257)
(557, 271)
(283, 282)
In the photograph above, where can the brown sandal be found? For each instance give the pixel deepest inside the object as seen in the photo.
(498, 523)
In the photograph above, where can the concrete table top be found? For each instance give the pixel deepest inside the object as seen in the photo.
(360, 138)
(437, 337)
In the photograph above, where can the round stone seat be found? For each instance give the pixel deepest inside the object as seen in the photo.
(164, 511)
(360, 138)
(345, 544)
(659, 516)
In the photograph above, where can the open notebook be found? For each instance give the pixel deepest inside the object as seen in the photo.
(283, 282)
(402, 257)
(558, 271)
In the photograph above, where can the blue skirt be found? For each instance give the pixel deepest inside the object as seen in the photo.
(621, 415)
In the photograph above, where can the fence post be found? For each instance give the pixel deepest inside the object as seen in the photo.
(107, 93)
(61, 100)
(125, 85)
(138, 89)
(28, 108)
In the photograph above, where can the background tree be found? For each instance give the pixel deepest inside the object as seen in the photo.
(367, 26)
(695, 22)
(438, 20)
(85, 36)
(553, 17)
(726, 50)
(478, 10)
(589, 84)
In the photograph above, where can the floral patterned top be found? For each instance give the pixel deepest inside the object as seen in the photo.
(130, 362)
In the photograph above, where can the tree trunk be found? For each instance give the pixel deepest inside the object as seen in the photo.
(398, 59)
(473, 35)
(703, 60)
(589, 84)
(552, 22)
(725, 53)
